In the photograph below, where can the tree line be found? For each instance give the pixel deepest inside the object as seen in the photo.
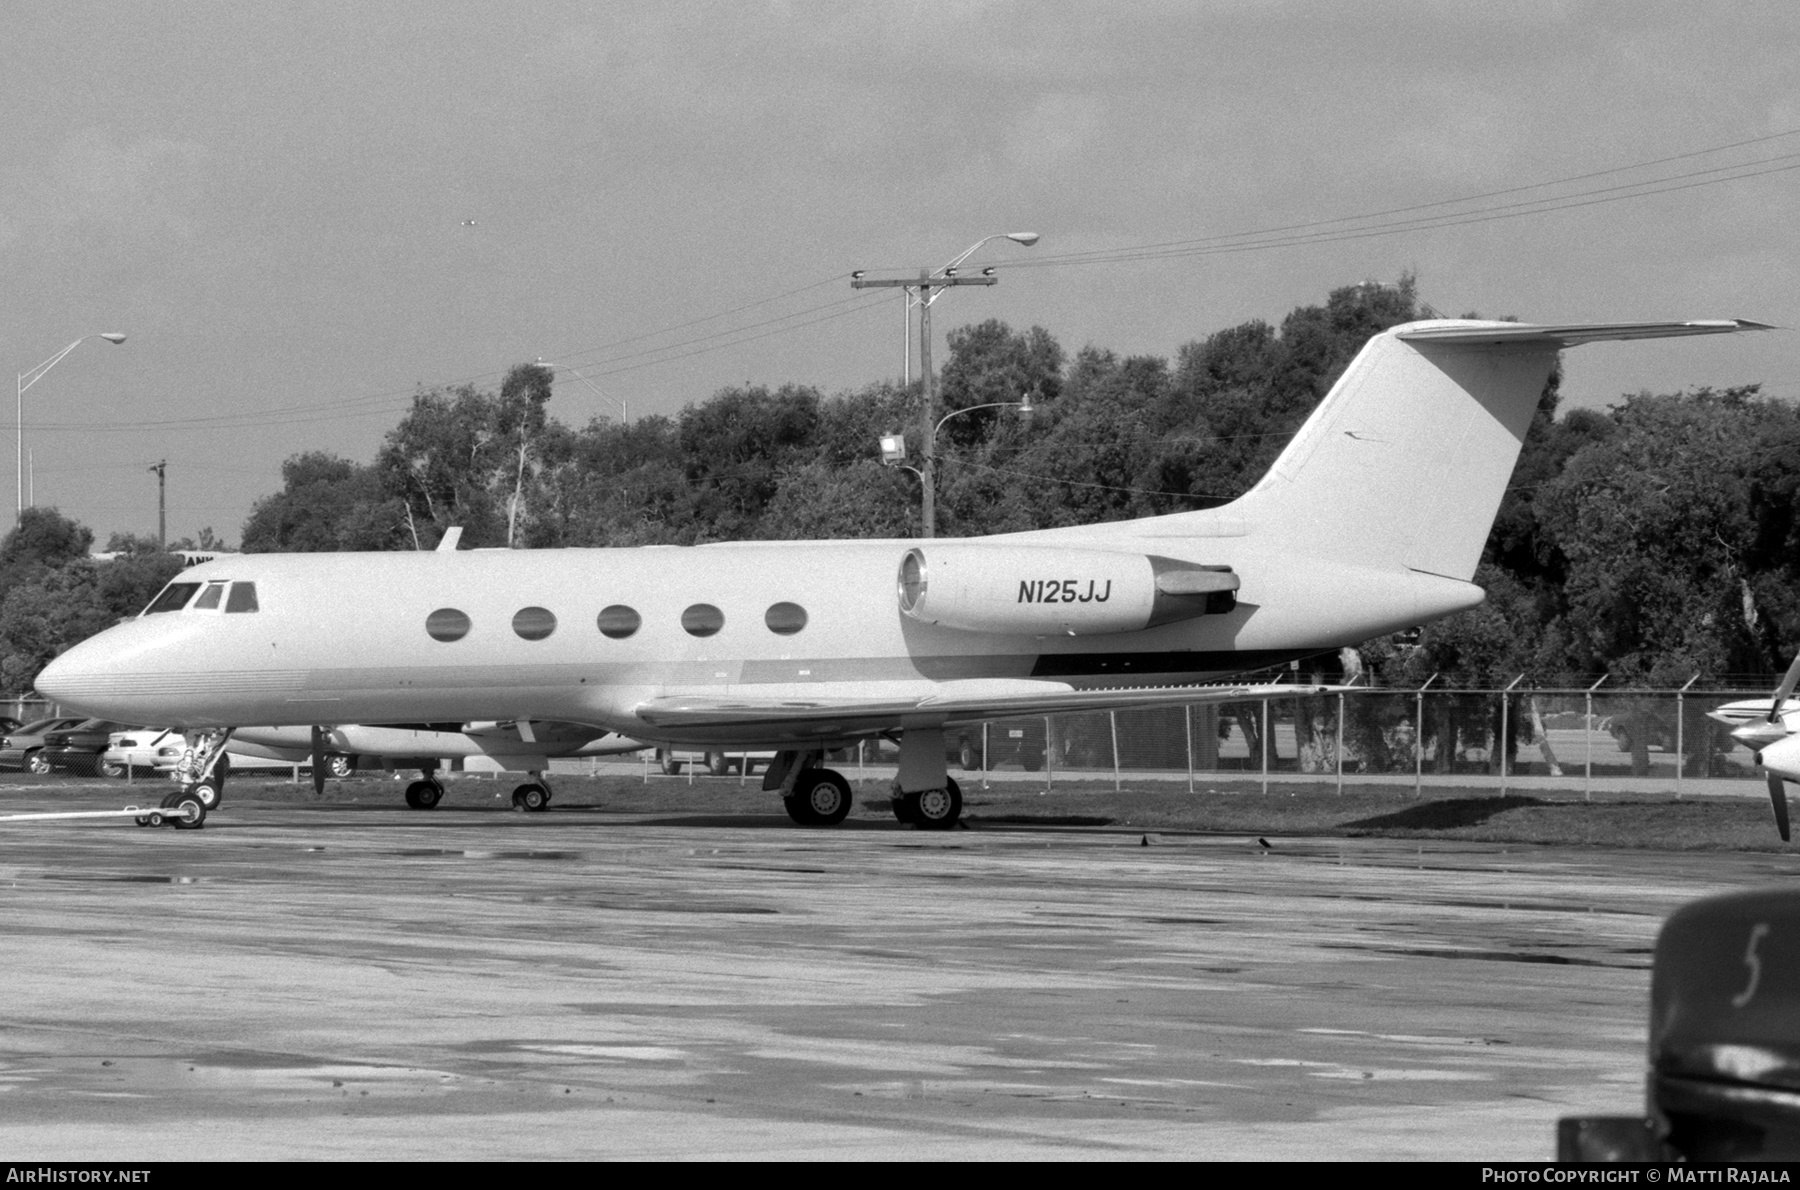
(1650, 541)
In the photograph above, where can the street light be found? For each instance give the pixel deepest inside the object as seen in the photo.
(928, 282)
(1023, 238)
(26, 380)
(893, 449)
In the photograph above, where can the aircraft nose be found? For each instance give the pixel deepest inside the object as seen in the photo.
(73, 678)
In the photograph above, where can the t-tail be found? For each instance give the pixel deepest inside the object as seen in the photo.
(1406, 459)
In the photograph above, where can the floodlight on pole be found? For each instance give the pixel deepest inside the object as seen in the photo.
(26, 380)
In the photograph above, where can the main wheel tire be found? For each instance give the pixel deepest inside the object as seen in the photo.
(902, 810)
(531, 798)
(111, 768)
(936, 809)
(823, 797)
(718, 764)
(667, 763)
(798, 810)
(209, 793)
(966, 757)
(424, 795)
(37, 763)
(190, 812)
(340, 766)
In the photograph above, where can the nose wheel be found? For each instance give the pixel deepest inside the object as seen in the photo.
(424, 795)
(182, 810)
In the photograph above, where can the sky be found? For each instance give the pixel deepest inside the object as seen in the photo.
(301, 213)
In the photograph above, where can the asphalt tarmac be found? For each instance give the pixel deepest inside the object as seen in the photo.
(336, 982)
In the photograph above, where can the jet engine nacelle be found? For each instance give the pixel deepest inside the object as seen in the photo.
(1063, 592)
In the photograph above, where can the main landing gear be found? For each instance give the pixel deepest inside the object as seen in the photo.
(533, 797)
(426, 793)
(929, 809)
(821, 797)
(924, 795)
(812, 796)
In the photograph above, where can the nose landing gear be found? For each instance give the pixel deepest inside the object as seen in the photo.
(184, 810)
(202, 768)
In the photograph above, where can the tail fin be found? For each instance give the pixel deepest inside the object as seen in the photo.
(1406, 459)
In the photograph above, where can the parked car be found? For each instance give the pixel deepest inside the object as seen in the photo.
(21, 749)
(673, 760)
(145, 749)
(1656, 730)
(1020, 742)
(76, 749)
(159, 751)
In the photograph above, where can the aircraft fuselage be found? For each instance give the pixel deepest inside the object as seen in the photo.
(546, 635)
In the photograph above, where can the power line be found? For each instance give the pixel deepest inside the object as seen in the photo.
(1245, 242)
(1285, 236)
(1056, 259)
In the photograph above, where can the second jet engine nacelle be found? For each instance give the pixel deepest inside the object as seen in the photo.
(1043, 591)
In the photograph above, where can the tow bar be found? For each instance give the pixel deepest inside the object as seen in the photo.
(184, 811)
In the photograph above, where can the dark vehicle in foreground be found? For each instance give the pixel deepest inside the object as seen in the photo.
(1724, 1056)
(23, 749)
(76, 749)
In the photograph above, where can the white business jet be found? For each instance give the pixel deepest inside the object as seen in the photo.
(1372, 520)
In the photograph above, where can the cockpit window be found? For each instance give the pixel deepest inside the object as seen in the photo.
(209, 598)
(174, 597)
(242, 598)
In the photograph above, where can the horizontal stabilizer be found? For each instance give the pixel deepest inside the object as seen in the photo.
(953, 702)
(1501, 334)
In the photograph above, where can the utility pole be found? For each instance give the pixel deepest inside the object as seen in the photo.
(162, 511)
(925, 283)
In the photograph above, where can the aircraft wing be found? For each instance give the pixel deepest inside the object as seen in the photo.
(1571, 334)
(948, 702)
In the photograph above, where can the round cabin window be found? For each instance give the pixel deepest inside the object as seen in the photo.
(785, 619)
(534, 623)
(446, 623)
(619, 621)
(702, 619)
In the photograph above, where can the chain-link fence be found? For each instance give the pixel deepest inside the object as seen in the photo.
(1566, 738)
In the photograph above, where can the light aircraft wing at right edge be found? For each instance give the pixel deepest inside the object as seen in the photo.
(1371, 520)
